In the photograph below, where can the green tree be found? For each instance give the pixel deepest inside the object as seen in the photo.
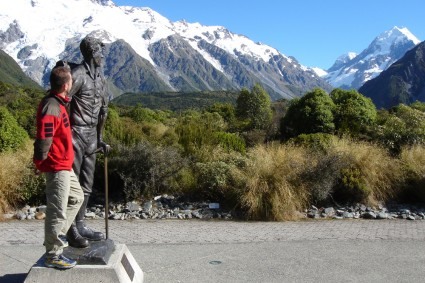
(12, 136)
(312, 113)
(254, 107)
(400, 126)
(354, 113)
(418, 105)
(141, 114)
(226, 110)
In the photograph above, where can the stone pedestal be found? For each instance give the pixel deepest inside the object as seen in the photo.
(120, 266)
(98, 253)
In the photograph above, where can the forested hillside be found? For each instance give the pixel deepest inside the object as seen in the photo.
(11, 73)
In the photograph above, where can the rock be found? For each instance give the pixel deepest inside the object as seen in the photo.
(117, 216)
(382, 215)
(41, 208)
(147, 207)
(90, 215)
(411, 217)
(20, 215)
(196, 214)
(132, 206)
(313, 215)
(26, 208)
(347, 214)
(329, 211)
(369, 215)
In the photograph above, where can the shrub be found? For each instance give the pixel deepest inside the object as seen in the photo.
(230, 141)
(12, 136)
(197, 130)
(254, 137)
(316, 142)
(214, 180)
(122, 130)
(402, 126)
(322, 175)
(352, 187)
(140, 114)
(413, 162)
(18, 183)
(146, 170)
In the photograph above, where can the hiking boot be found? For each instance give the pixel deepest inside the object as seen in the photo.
(74, 238)
(83, 230)
(88, 233)
(59, 262)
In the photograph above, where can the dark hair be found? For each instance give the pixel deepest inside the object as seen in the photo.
(88, 45)
(58, 77)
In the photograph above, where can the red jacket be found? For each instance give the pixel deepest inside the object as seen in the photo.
(53, 145)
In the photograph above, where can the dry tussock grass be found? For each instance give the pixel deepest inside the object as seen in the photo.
(413, 160)
(273, 190)
(13, 169)
(379, 171)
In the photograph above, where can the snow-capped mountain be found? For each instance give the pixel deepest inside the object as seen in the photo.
(351, 71)
(403, 82)
(145, 51)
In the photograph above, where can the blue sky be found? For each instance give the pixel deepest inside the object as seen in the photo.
(314, 32)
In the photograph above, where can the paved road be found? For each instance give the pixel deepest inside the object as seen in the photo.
(229, 251)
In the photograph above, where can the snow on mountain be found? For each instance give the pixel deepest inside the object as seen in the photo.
(319, 71)
(134, 21)
(54, 21)
(352, 71)
(36, 42)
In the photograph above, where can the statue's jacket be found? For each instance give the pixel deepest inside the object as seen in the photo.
(88, 97)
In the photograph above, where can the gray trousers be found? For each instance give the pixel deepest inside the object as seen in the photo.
(84, 140)
(64, 198)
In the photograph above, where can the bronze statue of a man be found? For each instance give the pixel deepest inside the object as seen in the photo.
(88, 112)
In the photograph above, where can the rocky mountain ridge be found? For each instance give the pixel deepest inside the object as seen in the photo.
(402, 82)
(145, 51)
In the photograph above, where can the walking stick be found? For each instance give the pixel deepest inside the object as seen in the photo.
(106, 196)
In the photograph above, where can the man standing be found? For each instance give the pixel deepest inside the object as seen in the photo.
(88, 111)
(54, 155)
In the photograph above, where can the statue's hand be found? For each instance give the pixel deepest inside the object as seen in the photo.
(106, 148)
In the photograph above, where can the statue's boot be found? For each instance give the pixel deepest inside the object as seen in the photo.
(74, 238)
(83, 230)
